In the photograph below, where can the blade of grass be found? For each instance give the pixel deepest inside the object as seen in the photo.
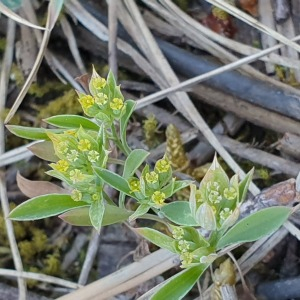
(10, 14)
(53, 12)
(253, 22)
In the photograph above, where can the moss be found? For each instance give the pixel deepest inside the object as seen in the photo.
(27, 251)
(183, 4)
(2, 44)
(52, 264)
(65, 104)
(31, 283)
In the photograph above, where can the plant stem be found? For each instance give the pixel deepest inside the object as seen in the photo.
(117, 140)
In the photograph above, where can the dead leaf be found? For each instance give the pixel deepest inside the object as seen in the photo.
(33, 189)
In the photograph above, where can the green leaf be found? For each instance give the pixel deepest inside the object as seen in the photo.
(80, 216)
(181, 184)
(44, 206)
(96, 213)
(180, 284)
(31, 133)
(244, 185)
(179, 212)
(140, 211)
(133, 161)
(130, 105)
(72, 121)
(44, 150)
(157, 238)
(113, 179)
(255, 226)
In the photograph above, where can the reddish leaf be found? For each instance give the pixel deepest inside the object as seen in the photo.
(37, 188)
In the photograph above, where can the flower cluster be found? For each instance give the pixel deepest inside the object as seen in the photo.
(190, 245)
(105, 101)
(78, 151)
(215, 205)
(153, 187)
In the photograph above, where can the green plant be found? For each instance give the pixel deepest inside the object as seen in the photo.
(79, 150)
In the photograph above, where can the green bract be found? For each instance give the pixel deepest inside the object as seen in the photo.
(80, 148)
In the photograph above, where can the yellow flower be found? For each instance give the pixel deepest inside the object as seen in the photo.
(134, 185)
(93, 156)
(230, 193)
(186, 259)
(61, 166)
(162, 166)
(183, 246)
(86, 101)
(101, 99)
(76, 195)
(98, 83)
(62, 147)
(70, 132)
(76, 176)
(151, 177)
(95, 197)
(116, 104)
(84, 145)
(72, 156)
(177, 233)
(158, 197)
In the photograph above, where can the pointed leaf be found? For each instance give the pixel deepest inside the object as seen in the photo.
(157, 238)
(180, 284)
(179, 212)
(133, 161)
(30, 132)
(54, 9)
(96, 213)
(72, 121)
(44, 150)
(80, 216)
(44, 206)
(10, 14)
(130, 105)
(181, 184)
(244, 185)
(255, 226)
(113, 179)
(140, 211)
